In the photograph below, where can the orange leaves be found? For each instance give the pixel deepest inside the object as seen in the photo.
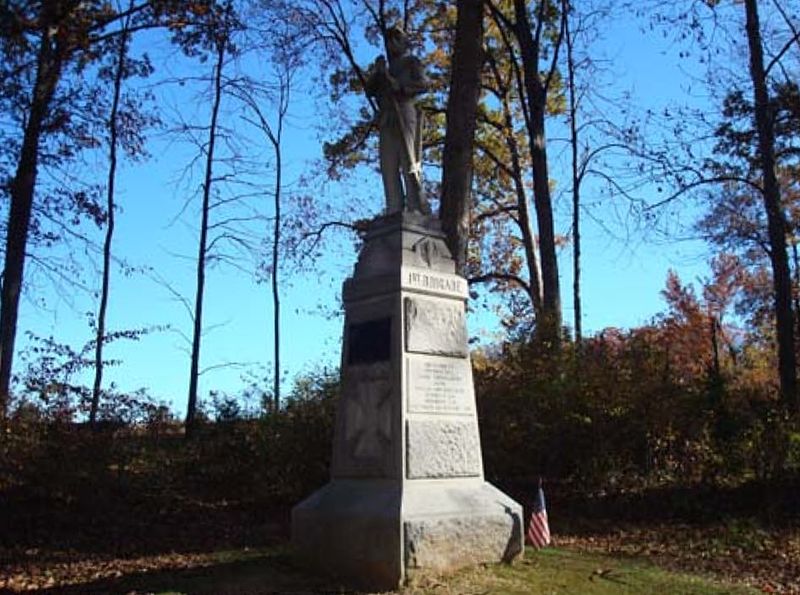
(199, 8)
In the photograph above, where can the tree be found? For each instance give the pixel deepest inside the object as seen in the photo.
(744, 160)
(54, 47)
(576, 186)
(504, 210)
(537, 89)
(776, 221)
(119, 71)
(588, 123)
(462, 112)
(217, 37)
(40, 41)
(530, 43)
(507, 231)
(251, 94)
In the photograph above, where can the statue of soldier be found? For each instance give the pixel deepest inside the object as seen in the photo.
(400, 123)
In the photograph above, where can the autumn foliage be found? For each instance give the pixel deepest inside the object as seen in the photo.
(678, 419)
(687, 399)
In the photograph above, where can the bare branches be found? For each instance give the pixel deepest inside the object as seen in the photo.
(514, 280)
(795, 38)
(312, 239)
(777, 57)
(326, 21)
(703, 182)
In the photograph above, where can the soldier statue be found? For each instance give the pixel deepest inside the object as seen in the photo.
(395, 86)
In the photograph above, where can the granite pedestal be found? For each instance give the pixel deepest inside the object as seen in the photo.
(407, 494)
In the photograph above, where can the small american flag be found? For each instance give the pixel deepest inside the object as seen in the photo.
(538, 530)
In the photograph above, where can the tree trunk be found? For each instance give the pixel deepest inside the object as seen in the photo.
(525, 225)
(796, 288)
(194, 373)
(576, 180)
(462, 106)
(48, 72)
(776, 221)
(112, 175)
(523, 210)
(276, 238)
(549, 327)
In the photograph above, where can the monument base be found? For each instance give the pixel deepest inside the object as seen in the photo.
(349, 529)
(449, 525)
(407, 495)
(375, 535)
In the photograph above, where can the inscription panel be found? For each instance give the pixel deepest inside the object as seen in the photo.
(439, 385)
(426, 280)
(437, 327)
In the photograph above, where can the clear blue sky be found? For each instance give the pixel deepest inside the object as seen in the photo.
(622, 276)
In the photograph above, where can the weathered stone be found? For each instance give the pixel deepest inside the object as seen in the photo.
(443, 544)
(407, 494)
(461, 523)
(436, 327)
(439, 385)
(399, 241)
(432, 253)
(366, 441)
(441, 448)
(350, 529)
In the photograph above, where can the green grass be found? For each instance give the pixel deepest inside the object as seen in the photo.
(557, 571)
(550, 571)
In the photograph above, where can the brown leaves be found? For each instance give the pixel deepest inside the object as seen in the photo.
(737, 551)
(39, 574)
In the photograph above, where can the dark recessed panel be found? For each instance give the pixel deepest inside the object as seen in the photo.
(370, 342)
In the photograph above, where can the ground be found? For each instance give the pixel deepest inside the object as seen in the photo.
(237, 548)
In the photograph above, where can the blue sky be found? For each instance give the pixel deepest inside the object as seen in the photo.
(623, 272)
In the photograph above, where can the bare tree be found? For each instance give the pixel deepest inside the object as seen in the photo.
(744, 156)
(46, 38)
(53, 51)
(576, 186)
(220, 37)
(252, 94)
(119, 74)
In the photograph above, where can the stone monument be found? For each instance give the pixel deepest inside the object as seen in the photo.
(407, 494)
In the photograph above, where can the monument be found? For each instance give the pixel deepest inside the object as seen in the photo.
(407, 495)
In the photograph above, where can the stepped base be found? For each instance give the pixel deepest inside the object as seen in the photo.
(373, 535)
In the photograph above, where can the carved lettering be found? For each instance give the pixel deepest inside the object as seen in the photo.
(439, 386)
(440, 283)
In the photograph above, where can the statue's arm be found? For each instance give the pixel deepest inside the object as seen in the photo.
(377, 77)
(414, 82)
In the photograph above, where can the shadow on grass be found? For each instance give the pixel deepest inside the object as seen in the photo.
(121, 526)
(262, 573)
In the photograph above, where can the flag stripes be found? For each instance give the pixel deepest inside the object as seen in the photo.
(538, 534)
(538, 530)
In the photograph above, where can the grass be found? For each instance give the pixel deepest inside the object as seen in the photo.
(556, 571)
(550, 571)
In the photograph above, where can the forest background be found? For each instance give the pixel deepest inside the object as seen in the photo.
(182, 180)
(158, 204)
